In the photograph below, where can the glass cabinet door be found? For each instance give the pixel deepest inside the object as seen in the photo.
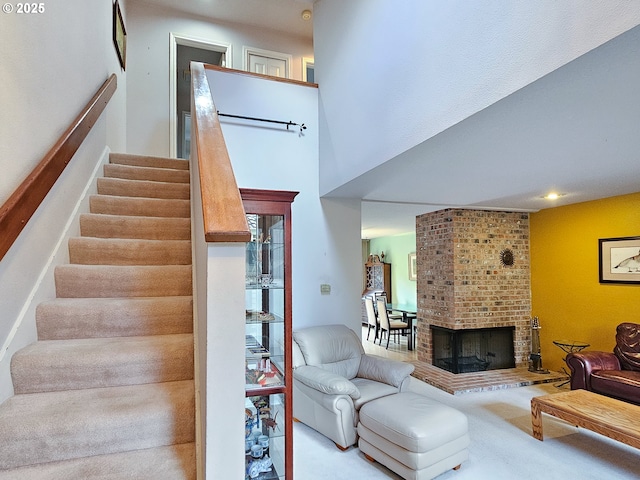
(265, 300)
(264, 437)
(268, 422)
(264, 446)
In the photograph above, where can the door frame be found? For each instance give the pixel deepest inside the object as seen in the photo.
(248, 51)
(307, 63)
(203, 44)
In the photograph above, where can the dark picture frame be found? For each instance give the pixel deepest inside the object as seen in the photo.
(619, 260)
(119, 35)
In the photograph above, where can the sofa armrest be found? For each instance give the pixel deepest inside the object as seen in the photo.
(325, 381)
(391, 372)
(332, 415)
(583, 363)
(333, 403)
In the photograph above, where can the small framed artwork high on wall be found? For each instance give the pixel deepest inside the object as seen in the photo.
(119, 35)
(413, 266)
(619, 260)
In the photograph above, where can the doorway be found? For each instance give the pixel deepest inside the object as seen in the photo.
(267, 62)
(184, 50)
(308, 70)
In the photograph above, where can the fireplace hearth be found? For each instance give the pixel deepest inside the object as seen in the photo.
(473, 350)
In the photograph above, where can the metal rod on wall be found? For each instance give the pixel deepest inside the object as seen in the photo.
(288, 124)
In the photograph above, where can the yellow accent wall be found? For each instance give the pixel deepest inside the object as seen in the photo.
(565, 290)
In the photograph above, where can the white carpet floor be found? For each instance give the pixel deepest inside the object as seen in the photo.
(501, 445)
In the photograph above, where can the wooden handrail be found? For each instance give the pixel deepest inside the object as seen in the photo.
(223, 213)
(23, 202)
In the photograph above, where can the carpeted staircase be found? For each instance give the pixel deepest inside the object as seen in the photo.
(107, 391)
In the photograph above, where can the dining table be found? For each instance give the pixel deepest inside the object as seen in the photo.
(409, 314)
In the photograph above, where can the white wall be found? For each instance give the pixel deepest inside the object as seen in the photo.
(386, 88)
(148, 109)
(326, 233)
(52, 64)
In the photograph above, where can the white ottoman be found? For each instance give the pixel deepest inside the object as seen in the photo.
(415, 436)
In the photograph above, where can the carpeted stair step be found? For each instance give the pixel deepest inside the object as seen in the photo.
(174, 462)
(54, 365)
(124, 226)
(103, 281)
(148, 161)
(142, 188)
(66, 318)
(119, 251)
(135, 206)
(107, 391)
(56, 426)
(146, 173)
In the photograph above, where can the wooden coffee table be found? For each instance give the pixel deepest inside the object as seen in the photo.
(607, 416)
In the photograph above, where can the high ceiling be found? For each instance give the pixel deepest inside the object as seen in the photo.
(575, 131)
(280, 15)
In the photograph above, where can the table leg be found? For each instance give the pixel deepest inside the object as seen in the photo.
(409, 321)
(536, 419)
(565, 382)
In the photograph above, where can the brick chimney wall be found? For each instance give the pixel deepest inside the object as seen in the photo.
(462, 282)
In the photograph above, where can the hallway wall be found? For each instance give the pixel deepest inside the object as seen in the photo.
(52, 64)
(326, 233)
(148, 108)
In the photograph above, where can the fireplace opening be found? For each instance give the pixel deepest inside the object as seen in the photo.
(473, 350)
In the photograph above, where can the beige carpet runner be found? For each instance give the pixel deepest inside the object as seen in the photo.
(107, 390)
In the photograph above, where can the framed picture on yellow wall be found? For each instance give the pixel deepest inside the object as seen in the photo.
(619, 260)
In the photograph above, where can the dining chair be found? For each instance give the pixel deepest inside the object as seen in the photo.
(387, 325)
(372, 319)
(392, 316)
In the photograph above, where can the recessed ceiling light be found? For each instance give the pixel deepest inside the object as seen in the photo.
(306, 15)
(553, 196)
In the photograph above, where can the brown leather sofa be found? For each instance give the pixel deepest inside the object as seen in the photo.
(614, 374)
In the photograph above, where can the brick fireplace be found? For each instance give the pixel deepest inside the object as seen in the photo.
(465, 281)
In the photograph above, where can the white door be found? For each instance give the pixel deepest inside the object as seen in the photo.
(275, 67)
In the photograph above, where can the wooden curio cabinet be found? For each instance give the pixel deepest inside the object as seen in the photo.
(269, 382)
(377, 276)
(377, 279)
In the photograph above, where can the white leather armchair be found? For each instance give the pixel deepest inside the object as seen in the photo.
(333, 378)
